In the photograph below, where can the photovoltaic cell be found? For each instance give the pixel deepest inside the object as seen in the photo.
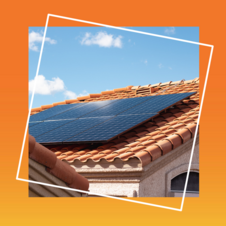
(110, 128)
(69, 130)
(44, 127)
(43, 115)
(82, 111)
(33, 123)
(156, 104)
(117, 107)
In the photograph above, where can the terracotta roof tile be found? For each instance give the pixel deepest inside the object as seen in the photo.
(55, 166)
(154, 151)
(144, 157)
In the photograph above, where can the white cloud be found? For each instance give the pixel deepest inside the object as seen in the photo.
(102, 39)
(170, 31)
(49, 87)
(145, 61)
(35, 37)
(46, 87)
(160, 66)
(170, 68)
(71, 95)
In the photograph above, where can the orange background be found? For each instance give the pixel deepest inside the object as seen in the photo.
(15, 206)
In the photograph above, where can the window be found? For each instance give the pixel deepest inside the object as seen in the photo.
(178, 182)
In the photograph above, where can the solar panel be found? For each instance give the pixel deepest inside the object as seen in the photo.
(44, 127)
(69, 130)
(43, 115)
(100, 121)
(82, 111)
(157, 104)
(33, 123)
(117, 107)
(110, 129)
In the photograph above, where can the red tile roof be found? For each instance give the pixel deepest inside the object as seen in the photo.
(149, 141)
(56, 167)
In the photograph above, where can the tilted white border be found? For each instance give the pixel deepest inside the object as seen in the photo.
(124, 29)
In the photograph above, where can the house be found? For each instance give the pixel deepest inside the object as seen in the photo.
(151, 159)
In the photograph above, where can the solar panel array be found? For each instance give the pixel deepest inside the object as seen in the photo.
(97, 121)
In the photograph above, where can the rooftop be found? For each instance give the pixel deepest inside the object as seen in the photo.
(146, 143)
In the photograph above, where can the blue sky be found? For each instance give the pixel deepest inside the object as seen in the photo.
(81, 60)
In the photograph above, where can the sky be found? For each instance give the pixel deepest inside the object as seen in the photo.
(78, 61)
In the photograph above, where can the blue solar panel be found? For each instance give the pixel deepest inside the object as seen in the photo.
(44, 127)
(33, 123)
(117, 107)
(157, 104)
(69, 130)
(99, 121)
(110, 129)
(43, 115)
(82, 111)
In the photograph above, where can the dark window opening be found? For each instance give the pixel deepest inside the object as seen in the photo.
(178, 182)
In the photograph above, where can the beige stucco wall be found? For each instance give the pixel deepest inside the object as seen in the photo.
(115, 189)
(158, 184)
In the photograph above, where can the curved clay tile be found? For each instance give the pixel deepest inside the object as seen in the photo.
(175, 140)
(126, 156)
(36, 109)
(137, 149)
(132, 139)
(83, 98)
(171, 118)
(154, 133)
(144, 157)
(163, 128)
(59, 103)
(132, 145)
(169, 131)
(95, 95)
(162, 123)
(55, 166)
(142, 139)
(192, 128)
(147, 143)
(107, 151)
(108, 92)
(165, 146)
(158, 137)
(154, 151)
(128, 88)
(152, 128)
(97, 157)
(120, 145)
(122, 150)
(111, 157)
(177, 126)
(71, 101)
(185, 134)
